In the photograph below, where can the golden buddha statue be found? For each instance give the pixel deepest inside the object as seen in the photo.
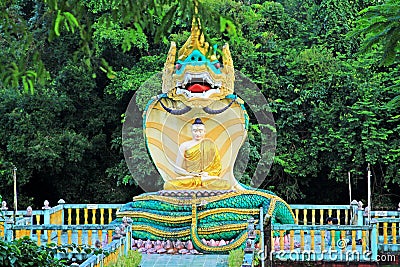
(197, 167)
(199, 163)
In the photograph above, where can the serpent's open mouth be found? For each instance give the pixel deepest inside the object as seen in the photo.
(198, 85)
(197, 88)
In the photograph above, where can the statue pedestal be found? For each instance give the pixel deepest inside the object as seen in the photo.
(201, 216)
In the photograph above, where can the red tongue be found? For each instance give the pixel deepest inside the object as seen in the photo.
(198, 88)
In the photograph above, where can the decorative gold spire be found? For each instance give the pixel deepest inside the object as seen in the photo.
(174, 75)
(195, 41)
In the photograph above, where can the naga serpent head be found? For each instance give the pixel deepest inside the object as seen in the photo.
(197, 77)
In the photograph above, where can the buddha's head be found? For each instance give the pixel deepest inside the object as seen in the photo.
(198, 129)
(197, 76)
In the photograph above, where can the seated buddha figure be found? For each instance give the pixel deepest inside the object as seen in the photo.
(198, 162)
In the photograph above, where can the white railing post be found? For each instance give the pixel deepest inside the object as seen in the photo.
(360, 219)
(354, 205)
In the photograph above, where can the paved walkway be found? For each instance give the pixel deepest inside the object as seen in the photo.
(164, 260)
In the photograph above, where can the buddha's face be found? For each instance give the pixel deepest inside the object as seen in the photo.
(198, 131)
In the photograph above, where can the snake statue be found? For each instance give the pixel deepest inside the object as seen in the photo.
(201, 199)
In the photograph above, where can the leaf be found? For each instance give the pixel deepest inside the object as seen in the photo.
(73, 22)
(228, 27)
(66, 25)
(71, 18)
(31, 86)
(31, 74)
(138, 27)
(57, 21)
(394, 103)
(25, 84)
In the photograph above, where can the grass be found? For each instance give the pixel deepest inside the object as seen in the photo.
(133, 259)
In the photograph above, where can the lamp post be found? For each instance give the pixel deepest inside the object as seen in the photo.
(369, 193)
(15, 192)
(349, 186)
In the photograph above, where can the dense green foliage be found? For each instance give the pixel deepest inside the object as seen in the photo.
(380, 27)
(24, 252)
(336, 106)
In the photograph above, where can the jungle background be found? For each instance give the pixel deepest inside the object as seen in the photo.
(329, 72)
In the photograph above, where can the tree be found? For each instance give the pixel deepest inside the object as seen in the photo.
(379, 26)
(22, 66)
(334, 112)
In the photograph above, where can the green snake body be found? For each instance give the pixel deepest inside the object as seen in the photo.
(224, 216)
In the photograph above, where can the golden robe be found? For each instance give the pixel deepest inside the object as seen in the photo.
(202, 157)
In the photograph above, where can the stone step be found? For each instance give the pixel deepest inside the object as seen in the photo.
(164, 260)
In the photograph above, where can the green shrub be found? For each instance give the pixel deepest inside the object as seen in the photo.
(25, 252)
(235, 258)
